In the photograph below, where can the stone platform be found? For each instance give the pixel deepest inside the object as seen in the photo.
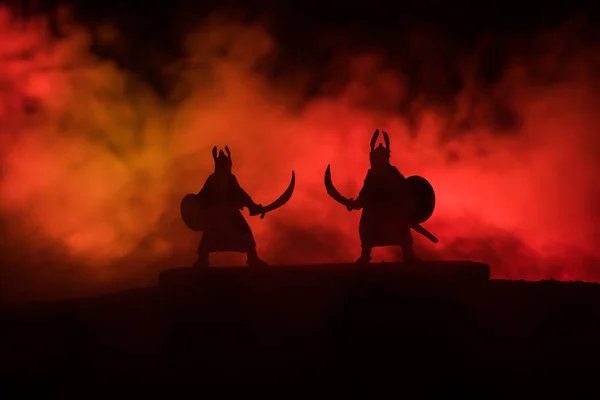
(431, 271)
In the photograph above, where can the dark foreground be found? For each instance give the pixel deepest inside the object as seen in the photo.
(293, 332)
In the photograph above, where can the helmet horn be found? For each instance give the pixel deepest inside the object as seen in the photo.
(386, 138)
(374, 139)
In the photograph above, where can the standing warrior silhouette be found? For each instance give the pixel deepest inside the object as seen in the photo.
(391, 204)
(215, 210)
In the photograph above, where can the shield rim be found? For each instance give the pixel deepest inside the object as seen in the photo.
(432, 210)
(195, 228)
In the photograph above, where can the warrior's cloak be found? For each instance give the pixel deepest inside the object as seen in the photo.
(385, 201)
(225, 229)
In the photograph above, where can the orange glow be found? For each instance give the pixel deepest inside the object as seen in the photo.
(100, 168)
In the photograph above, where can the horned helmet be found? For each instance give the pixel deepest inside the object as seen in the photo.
(223, 162)
(380, 156)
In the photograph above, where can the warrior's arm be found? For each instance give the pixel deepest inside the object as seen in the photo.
(403, 196)
(401, 179)
(359, 201)
(243, 198)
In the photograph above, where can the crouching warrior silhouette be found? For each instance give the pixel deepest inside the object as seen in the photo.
(391, 204)
(215, 210)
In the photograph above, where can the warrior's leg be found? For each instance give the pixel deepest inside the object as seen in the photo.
(365, 255)
(253, 259)
(203, 253)
(408, 252)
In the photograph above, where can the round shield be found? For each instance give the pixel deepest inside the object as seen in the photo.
(423, 198)
(192, 212)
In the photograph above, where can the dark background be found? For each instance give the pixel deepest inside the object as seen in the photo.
(309, 32)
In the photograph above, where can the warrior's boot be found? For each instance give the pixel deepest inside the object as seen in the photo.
(365, 256)
(202, 260)
(253, 259)
(409, 254)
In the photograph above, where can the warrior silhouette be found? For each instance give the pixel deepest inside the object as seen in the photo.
(391, 204)
(215, 210)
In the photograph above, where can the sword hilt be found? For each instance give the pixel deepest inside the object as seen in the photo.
(349, 205)
(258, 211)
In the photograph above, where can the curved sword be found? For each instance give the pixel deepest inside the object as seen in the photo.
(333, 192)
(284, 198)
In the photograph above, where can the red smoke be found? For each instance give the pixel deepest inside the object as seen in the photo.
(94, 162)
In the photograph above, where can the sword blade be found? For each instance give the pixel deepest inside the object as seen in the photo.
(284, 198)
(425, 232)
(332, 191)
